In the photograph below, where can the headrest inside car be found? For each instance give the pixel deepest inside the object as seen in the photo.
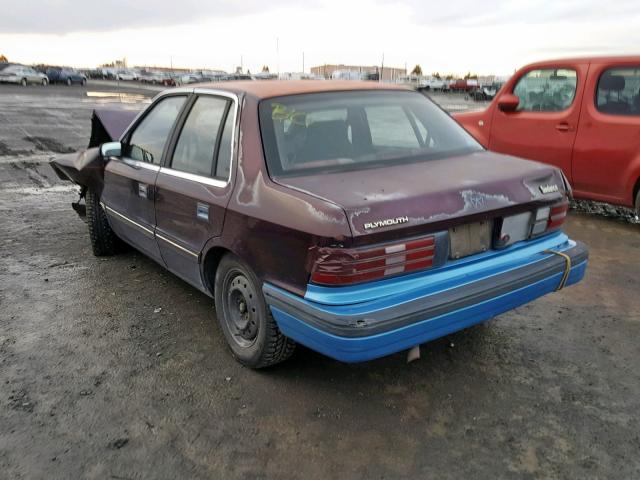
(612, 82)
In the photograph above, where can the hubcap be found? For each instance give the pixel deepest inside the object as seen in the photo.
(241, 309)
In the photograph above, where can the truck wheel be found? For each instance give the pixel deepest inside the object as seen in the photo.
(251, 332)
(103, 239)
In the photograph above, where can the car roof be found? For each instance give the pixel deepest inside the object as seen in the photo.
(591, 59)
(276, 88)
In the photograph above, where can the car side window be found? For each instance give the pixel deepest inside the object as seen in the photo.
(195, 151)
(223, 165)
(619, 91)
(546, 90)
(147, 141)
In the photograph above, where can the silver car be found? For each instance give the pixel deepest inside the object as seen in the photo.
(22, 75)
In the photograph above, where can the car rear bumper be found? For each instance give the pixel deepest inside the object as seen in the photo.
(368, 321)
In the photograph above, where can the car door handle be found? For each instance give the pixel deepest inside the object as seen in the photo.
(563, 127)
(202, 211)
(143, 190)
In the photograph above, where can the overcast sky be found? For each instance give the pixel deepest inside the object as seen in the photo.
(492, 36)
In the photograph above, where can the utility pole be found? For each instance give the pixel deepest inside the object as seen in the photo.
(241, 65)
(302, 62)
(381, 69)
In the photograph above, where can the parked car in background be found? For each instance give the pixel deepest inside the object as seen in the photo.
(433, 84)
(187, 78)
(356, 218)
(581, 115)
(463, 85)
(152, 77)
(66, 75)
(485, 92)
(126, 75)
(21, 75)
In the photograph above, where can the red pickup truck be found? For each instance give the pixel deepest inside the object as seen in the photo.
(582, 115)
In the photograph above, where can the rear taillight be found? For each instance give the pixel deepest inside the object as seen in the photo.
(550, 218)
(340, 266)
(558, 215)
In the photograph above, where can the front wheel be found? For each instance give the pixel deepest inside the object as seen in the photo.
(69, 82)
(103, 239)
(248, 326)
(23, 82)
(44, 82)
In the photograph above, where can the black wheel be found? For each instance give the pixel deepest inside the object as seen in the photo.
(44, 82)
(251, 332)
(83, 82)
(69, 82)
(23, 82)
(638, 205)
(103, 239)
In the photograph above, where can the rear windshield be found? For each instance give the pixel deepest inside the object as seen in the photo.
(339, 131)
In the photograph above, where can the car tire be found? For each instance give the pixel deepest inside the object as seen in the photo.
(23, 82)
(637, 205)
(69, 82)
(103, 239)
(83, 82)
(44, 82)
(244, 317)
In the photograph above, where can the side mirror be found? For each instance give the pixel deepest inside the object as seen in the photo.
(508, 102)
(111, 149)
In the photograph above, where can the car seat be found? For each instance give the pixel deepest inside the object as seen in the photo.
(613, 84)
(326, 140)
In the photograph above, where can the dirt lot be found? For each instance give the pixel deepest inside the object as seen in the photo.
(114, 368)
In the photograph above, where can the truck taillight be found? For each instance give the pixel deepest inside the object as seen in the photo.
(343, 266)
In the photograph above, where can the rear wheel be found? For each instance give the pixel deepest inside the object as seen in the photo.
(69, 81)
(103, 239)
(251, 332)
(23, 82)
(44, 82)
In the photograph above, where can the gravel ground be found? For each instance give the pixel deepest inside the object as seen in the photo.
(114, 368)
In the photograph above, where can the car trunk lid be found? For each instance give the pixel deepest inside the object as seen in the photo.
(399, 201)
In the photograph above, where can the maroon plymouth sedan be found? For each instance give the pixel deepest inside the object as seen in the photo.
(357, 219)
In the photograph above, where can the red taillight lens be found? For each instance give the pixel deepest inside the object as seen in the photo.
(338, 266)
(557, 216)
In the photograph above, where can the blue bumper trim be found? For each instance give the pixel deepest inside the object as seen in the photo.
(410, 316)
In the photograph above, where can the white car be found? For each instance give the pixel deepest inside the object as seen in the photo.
(22, 75)
(127, 76)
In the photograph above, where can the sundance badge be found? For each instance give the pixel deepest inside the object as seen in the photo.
(387, 222)
(548, 188)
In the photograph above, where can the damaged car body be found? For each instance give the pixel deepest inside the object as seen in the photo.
(355, 218)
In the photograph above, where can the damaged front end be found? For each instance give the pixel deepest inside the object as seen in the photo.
(86, 167)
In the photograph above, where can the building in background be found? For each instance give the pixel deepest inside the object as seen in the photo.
(389, 74)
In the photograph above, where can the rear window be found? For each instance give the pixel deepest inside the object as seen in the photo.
(339, 131)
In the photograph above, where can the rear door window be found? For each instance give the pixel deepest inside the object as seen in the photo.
(546, 90)
(619, 91)
(147, 141)
(202, 136)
